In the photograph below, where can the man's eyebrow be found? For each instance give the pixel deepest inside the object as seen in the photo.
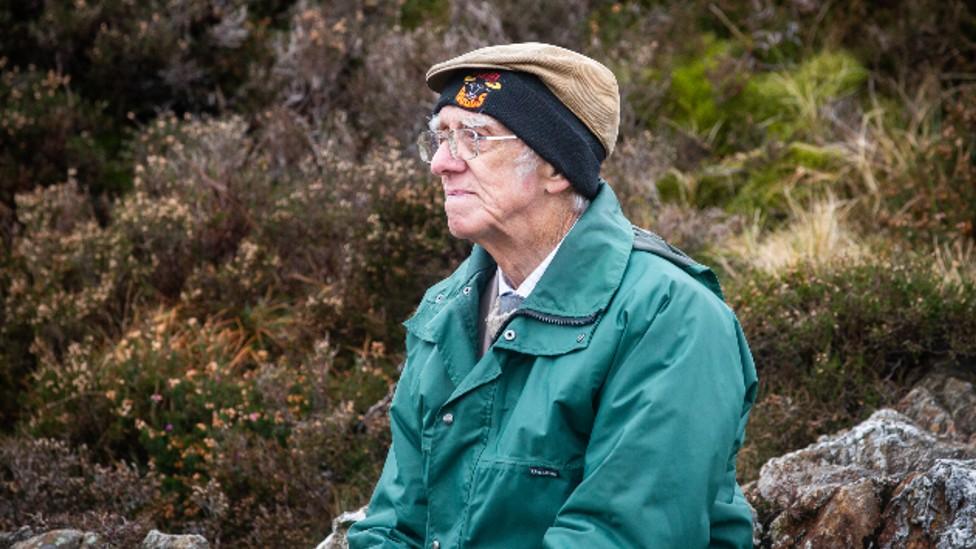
(471, 121)
(476, 121)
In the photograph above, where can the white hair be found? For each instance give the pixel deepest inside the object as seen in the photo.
(527, 161)
(580, 202)
(473, 120)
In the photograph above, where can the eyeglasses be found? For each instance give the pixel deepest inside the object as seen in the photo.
(463, 143)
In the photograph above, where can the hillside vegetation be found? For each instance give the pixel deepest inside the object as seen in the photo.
(213, 221)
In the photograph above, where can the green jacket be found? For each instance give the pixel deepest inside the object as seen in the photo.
(607, 414)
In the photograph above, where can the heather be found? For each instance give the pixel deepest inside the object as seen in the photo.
(213, 222)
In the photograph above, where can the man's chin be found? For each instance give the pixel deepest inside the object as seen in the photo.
(461, 228)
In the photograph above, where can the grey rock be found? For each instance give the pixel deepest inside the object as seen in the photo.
(944, 404)
(887, 446)
(925, 410)
(340, 525)
(936, 508)
(158, 540)
(62, 539)
(838, 491)
(9, 538)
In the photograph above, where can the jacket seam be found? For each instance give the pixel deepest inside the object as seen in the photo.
(486, 420)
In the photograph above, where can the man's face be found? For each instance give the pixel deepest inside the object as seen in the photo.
(487, 199)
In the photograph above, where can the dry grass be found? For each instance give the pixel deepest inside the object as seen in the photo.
(955, 262)
(818, 234)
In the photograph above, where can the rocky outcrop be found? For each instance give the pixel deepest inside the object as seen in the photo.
(76, 539)
(900, 479)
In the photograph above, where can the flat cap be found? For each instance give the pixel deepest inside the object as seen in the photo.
(585, 86)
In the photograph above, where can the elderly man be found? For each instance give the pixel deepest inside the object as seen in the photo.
(576, 382)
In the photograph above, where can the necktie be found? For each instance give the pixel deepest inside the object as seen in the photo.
(503, 307)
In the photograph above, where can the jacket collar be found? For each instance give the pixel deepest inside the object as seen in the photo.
(588, 267)
(563, 308)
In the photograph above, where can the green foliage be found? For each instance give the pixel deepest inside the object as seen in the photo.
(696, 91)
(763, 180)
(790, 104)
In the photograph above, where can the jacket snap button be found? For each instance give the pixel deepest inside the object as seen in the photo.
(580, 338)
(435, 545)
(439, 298)
(509, 335)
(448, 418)
(466, 290)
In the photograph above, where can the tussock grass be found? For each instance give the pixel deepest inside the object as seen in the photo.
(818, 234)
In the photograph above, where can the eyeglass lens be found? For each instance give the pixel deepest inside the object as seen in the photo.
(461, 143)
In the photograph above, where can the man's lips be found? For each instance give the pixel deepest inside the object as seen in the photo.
(456, 192)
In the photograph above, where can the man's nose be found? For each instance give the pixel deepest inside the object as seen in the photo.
(443, 163)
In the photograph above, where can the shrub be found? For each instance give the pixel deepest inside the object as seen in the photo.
(47, 131)
(46, 484)
(68, 276)
(238, 443)
(834, 342)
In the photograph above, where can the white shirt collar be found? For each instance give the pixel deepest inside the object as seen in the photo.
(527, 285)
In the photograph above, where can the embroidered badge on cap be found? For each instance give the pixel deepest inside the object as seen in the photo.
(475, 89)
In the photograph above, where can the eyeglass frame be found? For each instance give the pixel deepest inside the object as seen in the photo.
(450, 135)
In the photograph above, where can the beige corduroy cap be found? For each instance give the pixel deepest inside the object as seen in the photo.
(584, 85)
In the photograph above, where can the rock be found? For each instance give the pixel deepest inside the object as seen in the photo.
(340, 525)
(847, 519)
(944, 404)
(885, 446)
(922, 407)
(158, 540)
(837, 492)
(936, 508)
(9, 538)
(62, 539)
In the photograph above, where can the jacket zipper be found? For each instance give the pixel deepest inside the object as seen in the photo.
(552, 319)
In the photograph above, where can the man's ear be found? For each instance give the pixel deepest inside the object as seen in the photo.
(554, 181)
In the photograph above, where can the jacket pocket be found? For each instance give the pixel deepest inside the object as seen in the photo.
(513, 502)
